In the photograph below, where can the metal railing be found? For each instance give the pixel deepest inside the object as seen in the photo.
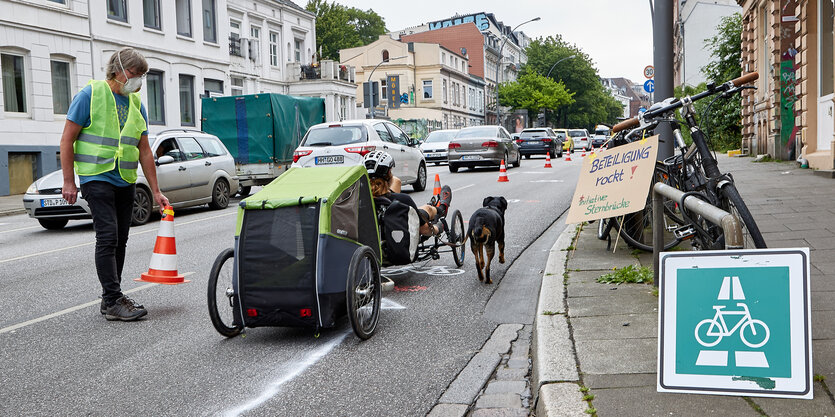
(729, 223)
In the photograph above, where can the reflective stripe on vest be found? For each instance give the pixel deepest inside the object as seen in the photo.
(99, 145)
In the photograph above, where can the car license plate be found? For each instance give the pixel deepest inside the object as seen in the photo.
(54, 202)
(470, 157)
(433, 155)
(534, 143)
(330, 160)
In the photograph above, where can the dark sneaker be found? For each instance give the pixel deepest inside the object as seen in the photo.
(445, 199)
(124, 309)
(103, 308)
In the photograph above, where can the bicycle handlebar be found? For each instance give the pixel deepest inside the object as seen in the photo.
(636, 121)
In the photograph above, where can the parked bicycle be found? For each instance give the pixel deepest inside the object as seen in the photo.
(694, 170)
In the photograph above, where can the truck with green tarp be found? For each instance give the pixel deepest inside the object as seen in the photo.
(261, 131)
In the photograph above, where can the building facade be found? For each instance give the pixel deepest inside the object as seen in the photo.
(50, 49)
(695, 21)
(791, 45)
(435, 84)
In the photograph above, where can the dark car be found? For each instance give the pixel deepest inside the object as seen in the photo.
(482, 146)
(539, 141)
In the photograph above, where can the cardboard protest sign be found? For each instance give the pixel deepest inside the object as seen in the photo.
(614, 182)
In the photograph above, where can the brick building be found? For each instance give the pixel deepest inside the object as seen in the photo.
(791, 44)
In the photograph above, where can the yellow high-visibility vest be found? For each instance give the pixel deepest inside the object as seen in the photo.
(101, 145)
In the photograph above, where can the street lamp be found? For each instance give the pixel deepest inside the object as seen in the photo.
(498, 69)
(372, 73)
(555, 64)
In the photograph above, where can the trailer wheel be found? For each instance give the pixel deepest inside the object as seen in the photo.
(243, 191)
(363, 292)
(221, 295)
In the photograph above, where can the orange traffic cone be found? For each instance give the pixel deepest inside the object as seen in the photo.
(503, 173)
(584, 151)
(548, 160)
(436, 192)
(163, 269)
(568, 155)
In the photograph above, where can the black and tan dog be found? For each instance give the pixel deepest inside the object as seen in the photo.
(486, 228)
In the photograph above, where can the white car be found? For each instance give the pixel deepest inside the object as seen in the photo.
(193, 168)
(580, 137)
(436, 145)
(347, 143)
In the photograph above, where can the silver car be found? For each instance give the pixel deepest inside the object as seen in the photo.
(436, 144)
(193, 168)
(482, 146)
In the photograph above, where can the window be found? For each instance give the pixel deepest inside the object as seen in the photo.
(169, 147)
(385, 55)
(211, 146)
(443, 58)
(14, 91)
(117, 10)
(59, 1)
(384, 134)
(443, 84)
(274, 49)
(298, 50)
(186, 100)
(184, 17)
(398, 136)
(235, 38)
(61, 87)
(255, 32)
(212, 86)
(427, 88)
(826, 44)
(191, 148)
(150, 11)
(209, 27)
(156, 97)
(383, 90)
(237, 86)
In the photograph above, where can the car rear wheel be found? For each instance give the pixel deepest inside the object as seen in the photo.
(420, 182)
(527, 157)
(453, 168)
(53, 224)
(518, 160)
(142, 206)
(220, 195)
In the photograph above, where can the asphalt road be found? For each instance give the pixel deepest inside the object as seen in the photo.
(60, 357)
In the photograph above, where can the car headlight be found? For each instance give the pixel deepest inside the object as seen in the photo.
(33, 189)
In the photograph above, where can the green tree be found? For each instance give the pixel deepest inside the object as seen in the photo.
(592, 102)
(534, 92)
(339, 27)
(720, 119)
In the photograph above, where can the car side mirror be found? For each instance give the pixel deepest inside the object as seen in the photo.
(165, 159)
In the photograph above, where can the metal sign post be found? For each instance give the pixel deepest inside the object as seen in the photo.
(735, 322)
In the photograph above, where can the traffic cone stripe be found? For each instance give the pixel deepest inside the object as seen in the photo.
(165, 245)
(163, 268)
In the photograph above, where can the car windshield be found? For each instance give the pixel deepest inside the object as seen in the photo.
(334, 135)
(560, 135)
(576, 133)
(477, 132)
(440, 137)
(533, 134)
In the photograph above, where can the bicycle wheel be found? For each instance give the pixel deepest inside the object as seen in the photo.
(456, 236)
(221, 295)
(363, 292)
(732, 202)
(708, 333)
(636, 228)
(603, 228)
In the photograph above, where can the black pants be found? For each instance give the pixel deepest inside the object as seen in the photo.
(111, 207)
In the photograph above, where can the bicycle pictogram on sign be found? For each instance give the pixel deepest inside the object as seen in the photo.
(717, 328)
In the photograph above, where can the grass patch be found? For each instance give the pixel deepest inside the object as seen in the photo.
(584, 389)
(569, 248)
(588, 397)
(655, 291)
(628, 274)
(550, 313)
(819, 378)
(591, 411)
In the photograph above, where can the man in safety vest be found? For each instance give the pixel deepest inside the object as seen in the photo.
(105, 140)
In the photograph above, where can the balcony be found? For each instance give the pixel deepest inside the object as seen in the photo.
(326, 70)
(235, 46)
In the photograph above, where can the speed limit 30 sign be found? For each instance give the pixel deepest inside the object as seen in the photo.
(649, 71)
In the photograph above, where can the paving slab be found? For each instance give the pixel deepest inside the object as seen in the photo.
(621, 326)
(500, 400)
(611, 304)
(820, 405)
(497, 387)
(591, 289)
(600, 381)
(618, 356)
(561, 399)
(500, 412)
(647, 402)
(823, 360)
(449, 410)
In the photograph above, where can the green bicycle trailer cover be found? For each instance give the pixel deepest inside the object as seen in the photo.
(296, 238)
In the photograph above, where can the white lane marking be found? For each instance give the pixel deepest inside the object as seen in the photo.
(386, 304)
(292, 372)
(15, 230)
(2, 261)
(547, 181)
(74, 308)
(466, 186)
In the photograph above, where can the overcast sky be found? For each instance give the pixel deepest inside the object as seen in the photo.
(616, 34)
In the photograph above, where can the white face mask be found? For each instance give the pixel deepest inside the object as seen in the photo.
(132, 84)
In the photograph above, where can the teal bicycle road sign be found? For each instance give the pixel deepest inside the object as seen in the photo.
(735, 323)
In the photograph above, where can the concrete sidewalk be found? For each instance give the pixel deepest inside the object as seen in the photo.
(11, 204)
(603, 337)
